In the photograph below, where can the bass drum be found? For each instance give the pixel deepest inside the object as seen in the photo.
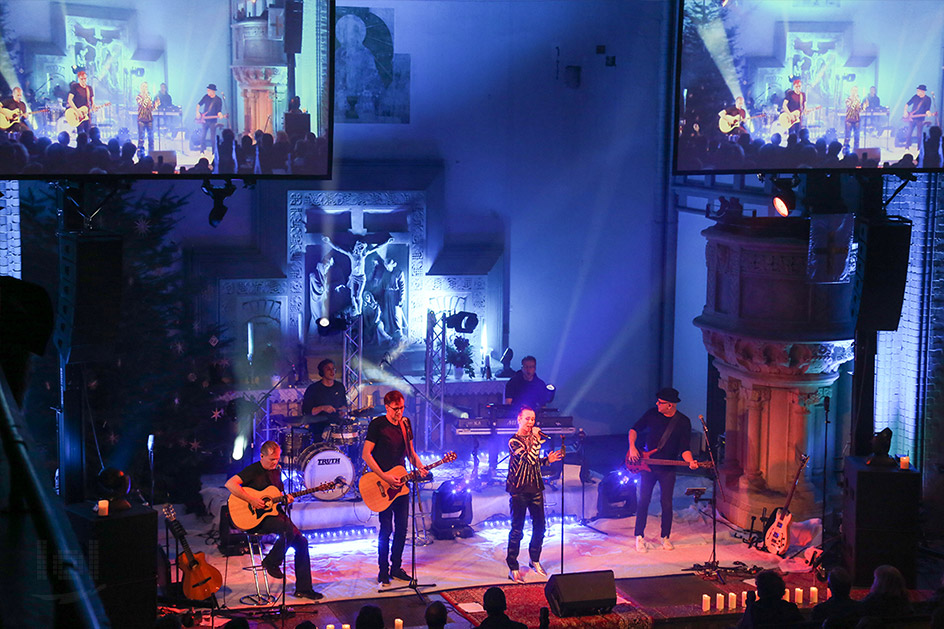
(323, 463)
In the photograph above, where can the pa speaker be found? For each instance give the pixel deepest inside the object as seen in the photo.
(581, 593)
(88, 307)
(164, 157)
(871, 153)
(881, 270)
(297, 125)
(293, 27)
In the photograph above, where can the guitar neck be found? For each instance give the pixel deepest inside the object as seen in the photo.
(796, 480)
(412, 475)
(178, 530)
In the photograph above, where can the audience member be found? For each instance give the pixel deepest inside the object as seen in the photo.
(495, 605)
(839, 609)
(370, 617)
(436, 616)
(770, 609)
(888, 596)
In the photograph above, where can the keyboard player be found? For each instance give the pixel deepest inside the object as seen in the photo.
(525, 388)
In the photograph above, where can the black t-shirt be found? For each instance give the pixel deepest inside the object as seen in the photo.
(317, 394)
(12, 105)
(920, 105)
(650, 427)
(770, 613)
(524, 393)
(79, 96)
(212, 106)
(257, 477)
(389, 446)
(795, 101)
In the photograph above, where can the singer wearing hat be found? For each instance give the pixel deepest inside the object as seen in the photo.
(212, 106)
(916, 113)
(526, 489)
(666, 433)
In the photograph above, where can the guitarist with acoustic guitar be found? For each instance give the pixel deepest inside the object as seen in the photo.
(258, 476)
(389, 441)
(210, 116)
(81, 102)
(794, 106)
(666, 433)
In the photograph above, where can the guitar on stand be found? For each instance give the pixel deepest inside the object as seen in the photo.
(247, 518)
(201, 580)
(777, 537)
(378, 495)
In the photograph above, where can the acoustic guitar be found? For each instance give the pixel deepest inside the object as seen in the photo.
(201, 580)
(378, 495)
(9, 117)
(246, 517)
(789, 118)
(645, 460)
(77, 115)
(727, 123)
(777, 537)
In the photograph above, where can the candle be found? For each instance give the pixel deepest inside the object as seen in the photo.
(103, 508)
(798, 596)
(732, 601)
(744, 599)
(904, 462)
(719, 601)
(814, 595)
(397, 623)
(705, 603)
(329, 626)
(345, 626)
(786, 595)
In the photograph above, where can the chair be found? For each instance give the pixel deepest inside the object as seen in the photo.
(254, 540)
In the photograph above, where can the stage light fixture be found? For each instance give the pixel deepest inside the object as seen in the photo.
(462, 321)
(551, 392)
(506, 358)
(452, 511)
(218, 195)
(137, 72)
(616, 495)
(333, 325)
(784, 197)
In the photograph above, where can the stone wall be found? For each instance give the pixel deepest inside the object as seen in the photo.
(11, 257)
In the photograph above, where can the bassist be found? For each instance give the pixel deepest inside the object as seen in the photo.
(259, 475)
(210, 116)
(667, 431)
(389, 440)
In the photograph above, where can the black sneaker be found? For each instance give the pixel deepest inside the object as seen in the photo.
(309, 594)
(273, 571)
(400, 573)
(383, 578)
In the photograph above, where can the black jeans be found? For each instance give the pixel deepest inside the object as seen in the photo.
(393, 520)
(519, 504)
(648, 480)
(282, 526)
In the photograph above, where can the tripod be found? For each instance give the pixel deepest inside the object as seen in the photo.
(413, 584)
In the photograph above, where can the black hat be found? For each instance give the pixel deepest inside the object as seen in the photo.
(494, 600)
(212, 86)
(923, 87)
(668, 394)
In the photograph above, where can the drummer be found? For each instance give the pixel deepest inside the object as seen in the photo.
(324, 400)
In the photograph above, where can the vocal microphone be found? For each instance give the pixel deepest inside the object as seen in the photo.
(150, 443)
(826, 403)
(340, 481)
(541, 434)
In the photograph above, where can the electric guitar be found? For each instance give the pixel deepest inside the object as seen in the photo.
(789, 118)
(246, 517)
(378, 495)
(77, 115)
(201, 580)
(727, 123)
(910, 116)
(9, 117)
(645, 460)
(777, 537)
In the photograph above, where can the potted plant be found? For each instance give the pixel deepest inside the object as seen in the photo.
(459, 355)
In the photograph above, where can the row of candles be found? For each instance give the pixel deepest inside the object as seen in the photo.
(397, 624)
(732, 599)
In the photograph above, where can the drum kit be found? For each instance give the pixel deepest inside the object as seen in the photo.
(314, 461)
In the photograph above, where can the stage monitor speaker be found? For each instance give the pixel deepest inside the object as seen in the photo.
(870, 153)
(878, 289)
(581, 593)
(88, 309)
(232, 539)
(293, 26)
(164, 157)
(296, 125)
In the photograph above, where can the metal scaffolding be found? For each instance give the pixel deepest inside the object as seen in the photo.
(435, 379)
(353, 368)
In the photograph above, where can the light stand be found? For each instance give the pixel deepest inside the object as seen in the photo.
(413, 584)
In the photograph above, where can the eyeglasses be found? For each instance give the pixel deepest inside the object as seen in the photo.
(395, 408)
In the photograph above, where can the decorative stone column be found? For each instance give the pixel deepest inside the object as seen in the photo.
(258, 86)
(778, 339)
(259, 67)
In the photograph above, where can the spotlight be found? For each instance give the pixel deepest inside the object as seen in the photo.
(218, 195)
(551, 392)
(137, 72)
(462, 322)
(784, 198)
(452, 511)
(616, 495)
(114, 485)
(333, 325)
(506, 358)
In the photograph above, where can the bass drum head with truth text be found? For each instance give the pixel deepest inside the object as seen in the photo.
(323, 463)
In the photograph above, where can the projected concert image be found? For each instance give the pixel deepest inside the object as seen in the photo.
(173, 88)
(835, 84)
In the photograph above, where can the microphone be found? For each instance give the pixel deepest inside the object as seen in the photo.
(826, 403)
(150, 443)
(340, 481)
(541, 434)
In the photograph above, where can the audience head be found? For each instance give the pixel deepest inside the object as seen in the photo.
(839, 581)
(370, 617)
(436, 616)
(888, 581)
(770, 585)
(494, 600)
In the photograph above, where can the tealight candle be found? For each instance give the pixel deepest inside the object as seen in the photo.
(397, 623)
(705, 603)
(719, 601)
(798, 596)
(329, 626)
(345, 626)
(786, 595)
(103, 508)
(732, 601)
(814, 595)
(905, 462)
(744, 598)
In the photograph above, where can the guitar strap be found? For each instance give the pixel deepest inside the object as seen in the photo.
(668, 432)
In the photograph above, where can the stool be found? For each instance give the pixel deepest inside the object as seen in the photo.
(255, 547)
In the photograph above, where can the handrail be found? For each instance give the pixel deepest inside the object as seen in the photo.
(79, 604)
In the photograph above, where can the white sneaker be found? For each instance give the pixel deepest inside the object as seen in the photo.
(641, 544)
(666, 544)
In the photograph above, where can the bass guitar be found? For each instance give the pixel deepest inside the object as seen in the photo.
(246, 517)
(378, 495)
(645, 460)
(789, 118)
(204, 117)
(201, 580)
(77, 115)
(777, 537)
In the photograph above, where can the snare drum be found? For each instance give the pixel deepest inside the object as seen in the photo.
(324, 463)
(341, 434)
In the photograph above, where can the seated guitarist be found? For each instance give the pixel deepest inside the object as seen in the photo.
(666, 433)
(81, 95)
(734, 117)
(389, 440)
(16, 108)
(794, 104)
(210, 116)
(258, 476)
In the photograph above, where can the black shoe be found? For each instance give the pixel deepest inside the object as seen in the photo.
(273, 571)
(383, 578)
(309, 594)
(400, 573)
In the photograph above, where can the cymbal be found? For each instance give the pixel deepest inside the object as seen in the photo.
(361, 412)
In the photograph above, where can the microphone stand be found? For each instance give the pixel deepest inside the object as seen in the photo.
(585, 480)
(151, 464)
(825, 467)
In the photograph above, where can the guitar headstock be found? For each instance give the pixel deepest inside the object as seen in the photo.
(169, 512)
(450, 457)
(803, 459)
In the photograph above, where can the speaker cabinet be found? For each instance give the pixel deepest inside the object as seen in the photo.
(581, 593)
(870, 153)
(293, 26)
(880, 520)
(296, 125)
(232, 539)
(119, 551)
(164, 158)
(882, 268)
(89, 305)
